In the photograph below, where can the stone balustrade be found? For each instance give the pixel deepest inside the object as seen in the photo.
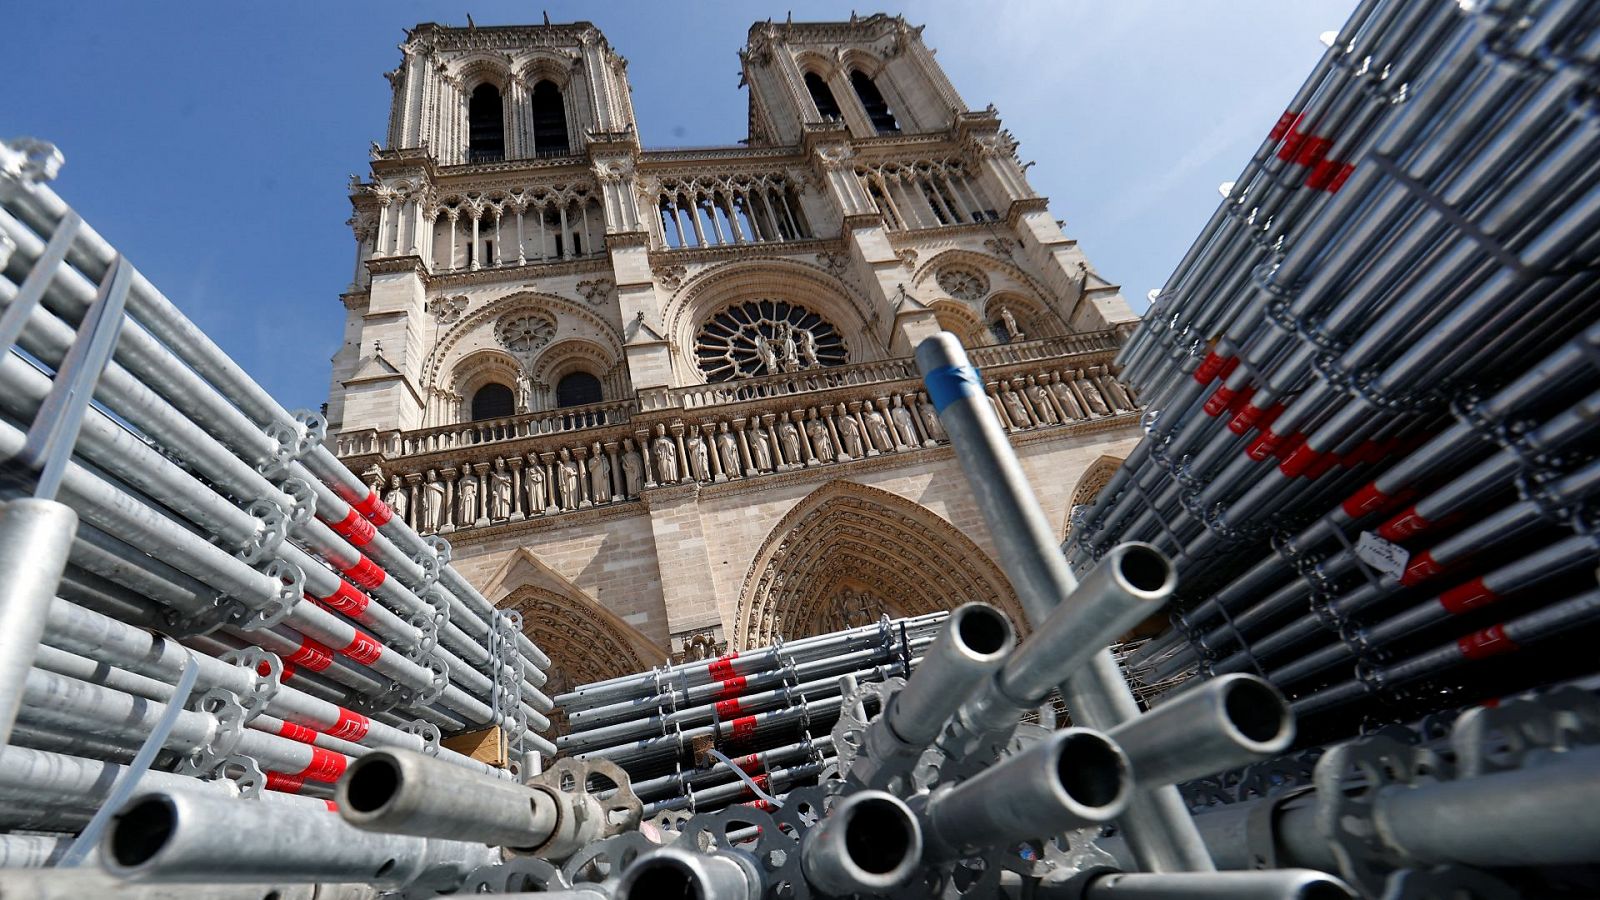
(484, 479)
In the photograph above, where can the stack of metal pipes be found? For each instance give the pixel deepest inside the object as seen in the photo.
(1371, 380)
(197, 596)
(765, 712)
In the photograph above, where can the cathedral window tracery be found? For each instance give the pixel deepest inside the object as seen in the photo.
(578, 389)
(549, 120)
(524, 332)
(822, 96)
(766, 337)
(486, 134)
(493, 401)
(872, 101)
(963, 283)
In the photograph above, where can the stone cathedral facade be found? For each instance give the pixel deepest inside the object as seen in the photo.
(663, 401)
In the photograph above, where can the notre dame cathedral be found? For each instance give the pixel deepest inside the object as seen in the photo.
(663, 401)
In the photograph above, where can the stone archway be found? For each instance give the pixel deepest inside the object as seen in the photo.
(584, 641)
(1093, 480)
(849, 552)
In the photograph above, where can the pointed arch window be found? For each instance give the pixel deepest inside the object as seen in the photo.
(493, 401)
(822, 97)
(549, 120)
(872, 101)
(577, 389)
(486, 129)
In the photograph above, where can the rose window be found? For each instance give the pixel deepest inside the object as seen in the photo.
(963, 283)
(766, 337)
(524, 332)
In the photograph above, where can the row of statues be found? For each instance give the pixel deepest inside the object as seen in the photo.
(519, 487)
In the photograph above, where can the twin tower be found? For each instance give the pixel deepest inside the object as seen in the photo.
(614, 378)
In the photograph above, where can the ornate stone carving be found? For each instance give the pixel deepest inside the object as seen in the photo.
(448, 310)
(567, 471)
(963, 283)
(396, 498)
(666, 454)
(596, 291)
(524, 332)
(766, 337)
(835, 263)
(432, 503)
(499, 490)
(671, 277)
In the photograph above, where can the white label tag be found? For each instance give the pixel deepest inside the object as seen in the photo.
(1384, 556)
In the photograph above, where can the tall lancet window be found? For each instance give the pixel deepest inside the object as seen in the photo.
(822, 97)
(486, 129)
(872, 101)
(549, 121)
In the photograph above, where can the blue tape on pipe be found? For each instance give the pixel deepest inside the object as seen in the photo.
(947, 384)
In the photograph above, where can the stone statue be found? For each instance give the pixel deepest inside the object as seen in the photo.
(850, 434)
(765, 353)
(632, 471)
(1015, 408)
(666, 456)
(1120, 398)
(535, 483)
(821, 441)
(1041, 402)
(728, 451)
(1009, 321)
(808, 348)
(469, 495)
(396, 498)
(500, 490)
(878, 430)
(699, 458)
(599, 475)
(432, 502)
(789, 436)
(524, 390)
(791, 350)
(1063, 392)
(903, 422)
(567, 471)
(1091, 395)
(760, 449)
(930, 418)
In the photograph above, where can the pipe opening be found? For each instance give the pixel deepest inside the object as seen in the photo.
(663, 877)
(1322, 889)
(878, 836)
(1255, 709)
(982, 630)
(373, 782)
(1143, 567)
(141, 830)
(1090, 769)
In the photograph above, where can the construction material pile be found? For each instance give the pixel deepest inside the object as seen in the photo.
(676, 730)
(1372, 381)
(192, 584)
(1395, 303)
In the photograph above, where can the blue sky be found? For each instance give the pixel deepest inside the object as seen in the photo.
(211, 142)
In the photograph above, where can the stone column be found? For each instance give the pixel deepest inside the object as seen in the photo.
(413, 495)
(479, 471)
(616, 482)
(642, 437)
(580, 453)
(548, 459)
(748, 462)
(447, 516)
(515, 463)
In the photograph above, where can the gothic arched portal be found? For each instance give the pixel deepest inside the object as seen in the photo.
(848, 553)
(585, 642)
(1093, 480)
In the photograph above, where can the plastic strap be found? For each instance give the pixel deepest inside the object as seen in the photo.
(745, 777)
(124, 786)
